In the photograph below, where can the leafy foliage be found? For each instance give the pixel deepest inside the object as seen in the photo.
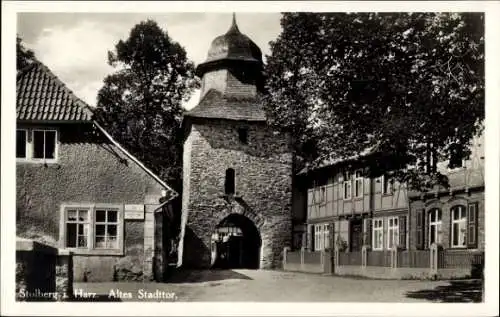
(140, 103)
(24, 56)
(408, 85)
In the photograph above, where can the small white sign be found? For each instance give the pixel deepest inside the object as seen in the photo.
(134, 212)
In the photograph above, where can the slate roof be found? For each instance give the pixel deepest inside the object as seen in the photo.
(215, 105)
(41, 96)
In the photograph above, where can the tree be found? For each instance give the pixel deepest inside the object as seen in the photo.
(140, 103)
(24, 56)
(409, 86)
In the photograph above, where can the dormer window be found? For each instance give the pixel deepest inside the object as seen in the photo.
(243, 135)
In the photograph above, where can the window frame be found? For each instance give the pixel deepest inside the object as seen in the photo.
(91, 207)
(56, 141)
(30, 145)
(462, 225)
(390, 186)
(322, 195)
(376, 229)
(77, 222)
(347, 181)
(392, 231)
(107, 224)
(321, 236)
(358, 179)
(26, 142)
(326, 236)
(318, 237)
(437, 224)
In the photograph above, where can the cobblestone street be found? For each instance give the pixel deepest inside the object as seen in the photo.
(278, 286)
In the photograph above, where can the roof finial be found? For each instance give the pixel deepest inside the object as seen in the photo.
(234, 26)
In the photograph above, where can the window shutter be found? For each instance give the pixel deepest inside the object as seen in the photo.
(309, 237)
(420, 229)
(402, 231)
(472, 226)
(313, 238)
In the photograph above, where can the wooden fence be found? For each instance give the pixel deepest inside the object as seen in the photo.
(350, 258)
(459, 259)
(394, 263)
(414, 258)
(378, 258)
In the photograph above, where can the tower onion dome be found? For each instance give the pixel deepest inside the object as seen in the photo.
(231, 47)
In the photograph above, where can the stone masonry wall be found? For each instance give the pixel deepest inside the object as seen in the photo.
(263, 170)
(43, 273)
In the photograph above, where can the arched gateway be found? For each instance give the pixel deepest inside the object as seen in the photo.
(236, 243)
(237, 171)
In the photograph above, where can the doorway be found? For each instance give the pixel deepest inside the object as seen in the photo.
(236, 244)
(356, 228)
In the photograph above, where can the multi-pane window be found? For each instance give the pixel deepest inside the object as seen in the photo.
(318, 237)
(106, 229)
(321, 237)
(21, 143)
(318, 195)
(347, 185)
(392, 232)
(92, 229)
(322, 195)
(378, 234)
(386, 185)
(326, 236)
(358, 184)
(435, 233)
(458, 226)
(77, 228)
(39, 145)
(44, 144)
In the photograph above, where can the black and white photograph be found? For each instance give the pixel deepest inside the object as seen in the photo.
(236, 155)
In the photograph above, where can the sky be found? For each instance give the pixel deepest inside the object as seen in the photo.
(75, 45)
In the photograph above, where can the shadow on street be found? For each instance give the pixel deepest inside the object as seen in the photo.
(197, 276)
(455, 292)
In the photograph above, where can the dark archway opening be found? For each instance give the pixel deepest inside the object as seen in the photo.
(236, 244)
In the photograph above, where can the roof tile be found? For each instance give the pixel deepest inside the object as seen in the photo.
(42, 96)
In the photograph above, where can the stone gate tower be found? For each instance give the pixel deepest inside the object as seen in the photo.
(237, 173)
